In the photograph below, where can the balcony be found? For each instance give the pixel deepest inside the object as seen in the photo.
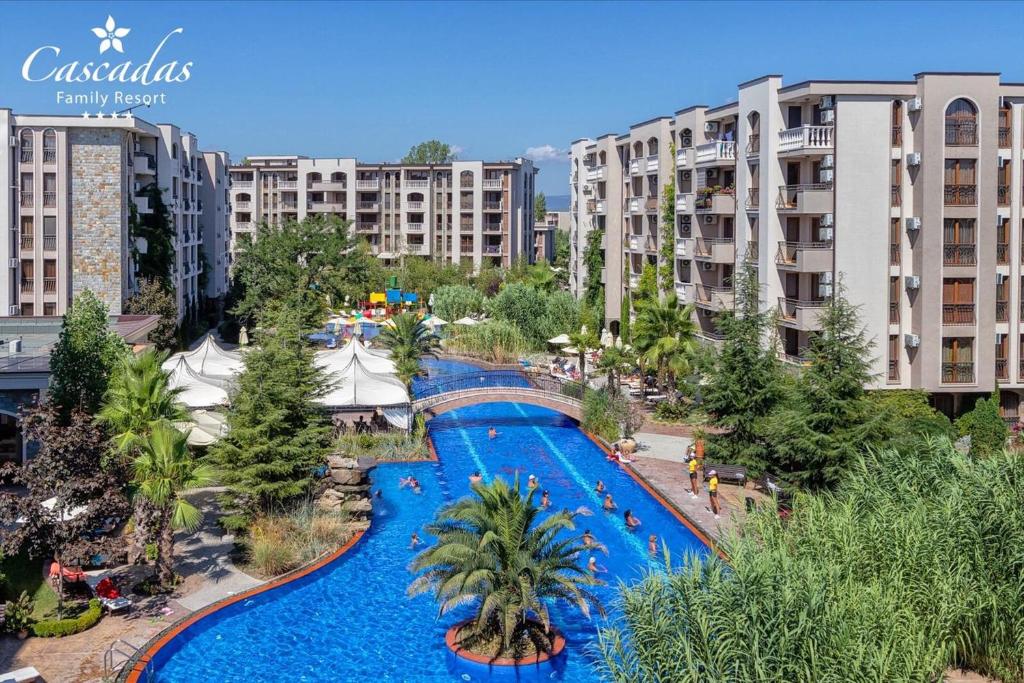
(243, 225)
(958, 373)
(241, 184)
(651, 204)
(637, 166)
(722, 202)
(895, 196)
(714, 298)
(1005, 137)
(144, 164)
(492, 249)
(492, 206)
(684, 246)
(26, 155)
(1002, 369)
(634, 280)
(897, 136)
(753, 199)
(683, 202)
(49, 199)
(633, 241)
(805, 257)
(801, 314)
(718, 153)
(893, 375)
(959, 255)
(492, 228)
(1003, 195)
(368, 206)
(417, 184)
(1002, 311)
(326, 206)
(597, 173)
(718, 250)
(685, 157)
(961, 195)
(328, 186)
(414, 206)
(894, 254)
(289, 206)
(414, 227)
(753, 249)
(1003, 253)
(142, 205)
(794, 359)
(373, 184)
(367, 227)
(288, 184)
(806, 140)
(598, 206)
(961, 133)
(27, 242)
(243, 206)
(49, 243)
(894, 313)
(754, 146)
(49, 285)
(957, 314)
(711, 338)
(491, 184)
(635, 205)
(812, 198)
(28, 285)
(27, 200)
(682, 291)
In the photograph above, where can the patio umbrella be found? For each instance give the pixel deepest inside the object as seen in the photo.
(571, 350)
(435, 322)
(560, 340)
(243, 336)
(467, 321)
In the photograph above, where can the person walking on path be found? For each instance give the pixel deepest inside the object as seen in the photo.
(713, 492)
(693, 475)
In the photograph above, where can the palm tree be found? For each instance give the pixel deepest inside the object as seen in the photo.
(584, 340)
(138, 397)
(164, 471)
(665, 336)
(408, 337)
(494, 551)
(613, 361)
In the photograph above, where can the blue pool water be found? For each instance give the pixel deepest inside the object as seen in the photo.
(352, 620)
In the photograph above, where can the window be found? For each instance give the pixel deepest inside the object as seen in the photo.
(958, 360)
(894, 358)
(652, 147)
(1005, 132)
(958, 301)
(49, 308)
(894, 300)
(26, 146)
(26, 190)
(958, 243)
(27, 233)
(174, 150)
(49, 146)
(49, 233)
(49, 190)
(894, 241)
(1002, 303)
(1003, 241)
(960, 182)
(897, 123)
(896, 176)
(49, 276)
(1003, 184)
(961, 123)
(754, 137)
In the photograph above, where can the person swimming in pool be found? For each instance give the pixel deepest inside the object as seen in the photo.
(594, 568)
(545, 500)
(588, 539)
(652, 545)
(632, 522)
(492, 433)
(531, 482)
(414, 541)
(409, 481)
(600, 486)
(475, 478)
(609, 504)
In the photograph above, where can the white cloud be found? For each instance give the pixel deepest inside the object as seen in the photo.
(457, 150)
(546, 153)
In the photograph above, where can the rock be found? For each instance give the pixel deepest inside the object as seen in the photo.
(338, 462)
(332, 494)
(347, 477)
(356, 491)
(357, 507)
(332, 504)
(357, 525)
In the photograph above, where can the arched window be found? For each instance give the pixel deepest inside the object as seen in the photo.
(415, 197)
(313, 178)
(244, 197)
(754, 134)
(602, 158)
(961, 123)
(652, 147)
(466, 179)
(49, 146)
(339, 177)
(26, 146)
(638, 150)
(685, 138)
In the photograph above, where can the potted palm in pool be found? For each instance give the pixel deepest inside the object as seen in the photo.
(498, 551)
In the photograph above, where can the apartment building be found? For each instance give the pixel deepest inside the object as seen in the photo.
(481, 212)
(909, 191)
(74, 184)
(215, 223)
(544, 234)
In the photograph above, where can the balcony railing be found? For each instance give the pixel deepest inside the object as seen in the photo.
(894, 371)
(241, 184)
(49, 243)
(49, 285)
(720, 150)
(789, 194)
(897, 136)
(373, 206)
(243, 206)
(491, 227)
(1002, 369)
(288, 184)
(26, 156)
(372, 184)
(491, 183)
(414, 206)
(962, 133)
(492, 206)
(27, 242)
(1005, 136)
(894, 254)
(959, 255)
(26, 199)
(961, 195)
(1002, 311)
(597, 173)
(28, 285)
(417, 184)
(754, 145)
(49, 156)
(1003, 196)
(895, 196)
(1002, 253)
(958, 373)
(894, 313)
(414, 227)
(753, 197)
(789, 252)
(806, 138)
(957, 314)
(492, 249)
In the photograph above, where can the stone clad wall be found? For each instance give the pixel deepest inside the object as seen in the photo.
(98, 207)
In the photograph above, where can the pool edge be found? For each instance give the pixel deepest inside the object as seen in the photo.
(159, 641)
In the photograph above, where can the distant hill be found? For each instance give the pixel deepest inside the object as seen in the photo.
(557, 202)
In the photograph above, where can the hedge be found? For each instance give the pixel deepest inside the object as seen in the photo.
(67, 627)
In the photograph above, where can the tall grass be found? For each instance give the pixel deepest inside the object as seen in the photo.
(496, 341)
(277, 544)
(916, 564)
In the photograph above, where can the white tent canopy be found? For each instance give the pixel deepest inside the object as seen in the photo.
(467, 321)
(560, 340)
(355, 386)
(206, 427)
(337, 361)
(196, 391)
(209, 360)
(435, 322)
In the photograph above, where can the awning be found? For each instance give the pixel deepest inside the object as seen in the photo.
(355, 385)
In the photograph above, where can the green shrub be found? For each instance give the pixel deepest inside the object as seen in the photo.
(524, 308)
(497, 341)
(276, 544)
(672, 411)
(602, 414)
(18, 613)
(59, 628)
(385, 446)
(452, 302)
(985, 427)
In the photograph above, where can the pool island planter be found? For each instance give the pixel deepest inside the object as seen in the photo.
(543, 661)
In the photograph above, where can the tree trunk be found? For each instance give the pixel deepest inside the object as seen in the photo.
(145, 517)
(583, 368)
(165, 556)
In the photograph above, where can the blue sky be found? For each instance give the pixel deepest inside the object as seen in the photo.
(494, 79)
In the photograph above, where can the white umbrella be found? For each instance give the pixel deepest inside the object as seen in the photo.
(467, 321)
(436, 322)
(243, 336)
(560, 340)
(51, 503)
(571, 349)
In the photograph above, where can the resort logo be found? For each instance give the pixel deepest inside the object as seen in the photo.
(48, 64)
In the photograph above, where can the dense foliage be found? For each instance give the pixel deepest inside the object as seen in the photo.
(156, 298)
(603, 414)
(59, 628)
(496, 341)
(157, 230)
(430, 152)
(912, 566)
(524, 307)
(85, 355)
(409, 339)
(665, 337)
(452, 302)
(985, 427)
(540, 206)
(497, 552)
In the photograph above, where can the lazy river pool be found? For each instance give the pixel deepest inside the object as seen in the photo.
(351, 620)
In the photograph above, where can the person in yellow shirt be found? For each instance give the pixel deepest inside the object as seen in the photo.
(693, 475)
(713, 492)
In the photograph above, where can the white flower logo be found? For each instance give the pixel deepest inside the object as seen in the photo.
(111, 35)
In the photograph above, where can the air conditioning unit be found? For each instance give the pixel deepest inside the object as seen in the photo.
(709, 219)
(828, 161)
(826, 220)
(914, 104)
(687, 175)
(687, 218)
(825, 234)
(13, 309)
(826, 277)
(587, 189)
(913, 223)
(911, 341)
(828, 117)
(712, 173)
(912, 281)
(824, 290)
(914, 159)
(12, 262)
(825, 175)
(711, 127)
(826, 102)
(13, 141)
(708, 266)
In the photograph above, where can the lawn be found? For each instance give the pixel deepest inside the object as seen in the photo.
(24, 574)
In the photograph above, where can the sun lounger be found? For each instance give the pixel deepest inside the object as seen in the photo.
(26, 674)
(115, 605)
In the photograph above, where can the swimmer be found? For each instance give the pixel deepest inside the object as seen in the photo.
(593, 567)
(475, 478)
(379, 494)
(532, 483)
(588, 539)
(609, 504)
(409, 481)
(600, 486)
(631, 521)
(545, 500)
(414, 541)
(652, 545)
(492, 433)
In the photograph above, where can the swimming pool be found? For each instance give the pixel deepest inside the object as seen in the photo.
(351, 620)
